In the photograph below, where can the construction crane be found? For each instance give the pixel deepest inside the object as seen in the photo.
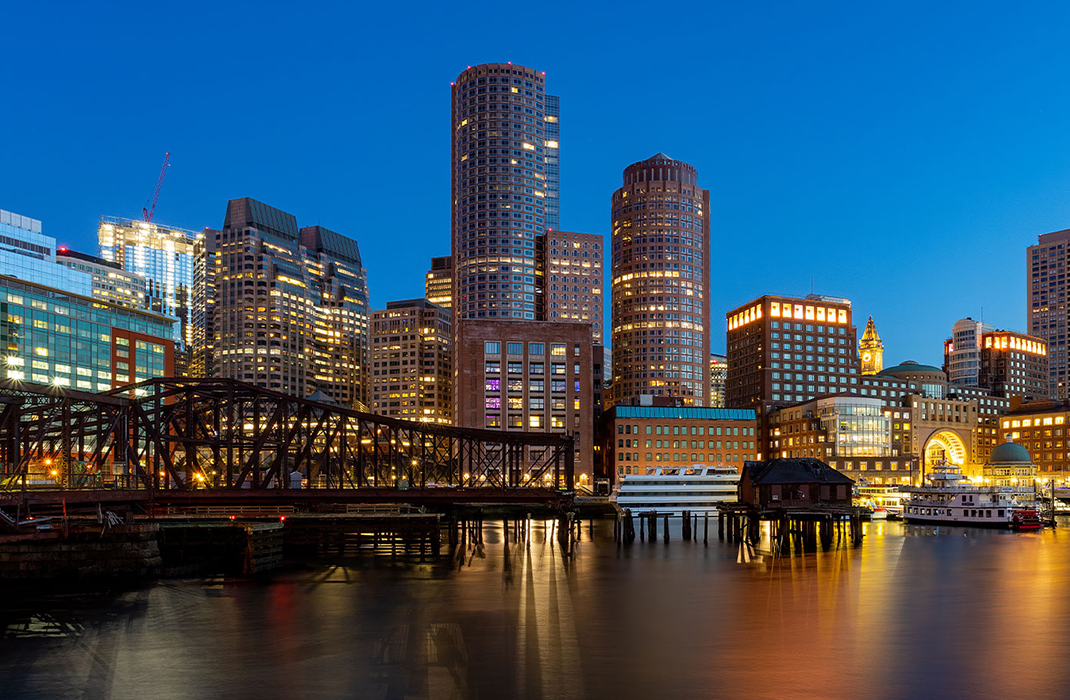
(147, 211)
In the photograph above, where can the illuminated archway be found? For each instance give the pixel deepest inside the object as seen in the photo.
(945, 447)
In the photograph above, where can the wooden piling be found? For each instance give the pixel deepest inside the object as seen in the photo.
(666, 528)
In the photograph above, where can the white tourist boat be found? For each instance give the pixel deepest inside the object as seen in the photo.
(883, 500)
(672, 490)
(949, 499)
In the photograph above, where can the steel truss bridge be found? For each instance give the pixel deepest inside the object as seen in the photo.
(194, 438)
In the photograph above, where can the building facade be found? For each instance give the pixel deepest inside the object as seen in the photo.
(1047, 301)
(1014, 365)
(289, 306)
(573, 274)
(498, 190)
(661, 280)
(640, 439)
(962, 351)
(51, 336)
(110, 282)
(553, 161)
(411, 362)
(718, 373)
(29, 255)
(535, 376)
(438, 283)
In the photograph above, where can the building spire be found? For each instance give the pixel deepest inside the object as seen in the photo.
(871, 349)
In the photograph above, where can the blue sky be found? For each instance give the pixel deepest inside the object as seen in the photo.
(902, 155)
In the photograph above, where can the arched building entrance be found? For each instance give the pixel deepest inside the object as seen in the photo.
(945, 447)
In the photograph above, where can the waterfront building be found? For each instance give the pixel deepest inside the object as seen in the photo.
(1046, 278)
(661, 282)
(52, 336)
(411, 362)
(29, 255)
(534, 376)
(110, 282)
(289, 306)
(793, 483)
(164, 257)
(438, 283)
(718, 373)
(1041, 428)
(573, 273)
(1014, 365)
(1011, 467)
(871, 349)
(962, 351)
(645, 437)
(850, 432)
(498, 190)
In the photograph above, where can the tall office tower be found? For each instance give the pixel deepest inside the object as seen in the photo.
(110, 282)
(784, 350)
(871, 349)
(573, 273)
(553, 161)
(498, 190)
(202, 306)
(661, 280)
(412, 370)
(163, 255)
(438, 284)
(289, 308)
(1014, 364)
(1046, 267)
(718, 372)
(29, 255)
(962, 351)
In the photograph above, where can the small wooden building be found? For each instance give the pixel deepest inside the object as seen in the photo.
(793, 483)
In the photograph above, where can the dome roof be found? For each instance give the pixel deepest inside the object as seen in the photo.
(1010, 453)
(910, 366)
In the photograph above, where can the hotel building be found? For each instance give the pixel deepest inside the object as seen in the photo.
(643, 438)
(1014, 365)
(411, 363)
(1041, 428)
(289, 307)
(1046, 281)
(661, 280)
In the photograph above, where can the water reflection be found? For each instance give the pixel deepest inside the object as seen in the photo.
(913, 612)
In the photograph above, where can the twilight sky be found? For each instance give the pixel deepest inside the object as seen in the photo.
(900, 154)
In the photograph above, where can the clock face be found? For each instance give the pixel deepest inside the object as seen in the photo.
(866, 357)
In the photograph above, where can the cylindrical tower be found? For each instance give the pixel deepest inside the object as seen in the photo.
(498, 166)
(661, 280)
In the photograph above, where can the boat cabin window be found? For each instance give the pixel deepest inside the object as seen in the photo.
(999, 514)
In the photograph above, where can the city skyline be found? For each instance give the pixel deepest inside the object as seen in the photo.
(951, 182)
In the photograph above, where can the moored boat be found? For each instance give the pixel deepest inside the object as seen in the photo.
(672, 490)
(948, 499)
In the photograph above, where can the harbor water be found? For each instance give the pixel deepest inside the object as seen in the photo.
(914, 612)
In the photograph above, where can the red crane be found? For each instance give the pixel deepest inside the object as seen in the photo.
(147, 211)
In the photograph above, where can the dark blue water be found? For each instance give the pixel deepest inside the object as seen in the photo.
(909, 614)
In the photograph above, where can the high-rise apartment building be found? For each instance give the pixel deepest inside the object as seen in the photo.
(499, 190)
(1014, 364)
(553, 161)
(164, 256)
(110, 281)
(1046, 268)
(962, 351)
(786, 350)
(202, 305)
(573, 273)
(411, 363)
(289, 307)
(661, 281)
(535, 376)
(438, 284)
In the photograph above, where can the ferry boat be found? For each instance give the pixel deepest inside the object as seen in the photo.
(884, 500)
(672, 490)
(948, 499)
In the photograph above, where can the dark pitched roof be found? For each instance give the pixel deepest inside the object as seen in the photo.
(794, 471)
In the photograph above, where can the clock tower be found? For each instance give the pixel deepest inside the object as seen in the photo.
(871, 350)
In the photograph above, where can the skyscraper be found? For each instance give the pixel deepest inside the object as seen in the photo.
(962, 351)
(553, 161)
(1046, 267)
(289, 307)
(661, 280)
(499, 190)
(412, 372)
(438, 283)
